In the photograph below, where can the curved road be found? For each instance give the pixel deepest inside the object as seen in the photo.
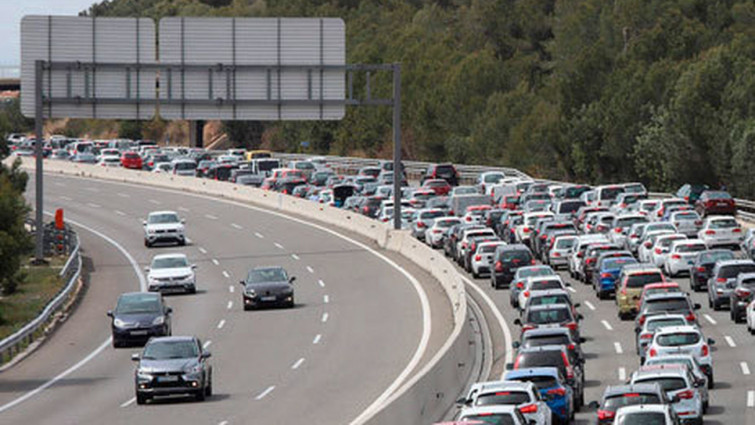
(357, 325)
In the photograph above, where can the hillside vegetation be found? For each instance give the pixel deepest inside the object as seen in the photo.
(661, 91)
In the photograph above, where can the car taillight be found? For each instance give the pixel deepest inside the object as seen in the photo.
(652, 352)
(420, 224)
(705, 350)
(686, 395)
(543, 237)
(646, 336)
(590, 261)
(469, 218)
(530, 408)
(710, 232)
(436, 231)
(519, 285)
(569, 368)
(365, 210)
(676, 257)
(605, 275)
(698, 222)
(557, 392)
(526, 294)
(605, 414)
(642, 318)
(742, 292)
(464, 245)
(516, 363)
(571, 347)
(498, 266)
(701, 269)
(572, 326)
(478, 257)
(526, 328)
(556, 254)
(532, 262)
(617, 230)
(580, 255)
(691, 317)
(721, 280)
(657, 250)
(737, 230)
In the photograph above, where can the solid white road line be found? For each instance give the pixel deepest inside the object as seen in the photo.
(259, 235)
(92, 189)
(210, 216)
(317, 339)
(324, 317)
(321, 283)
(128, 402)
(745, 368)
(264, 394)
(236, 226)
(730, 341)
(120, 213)
(183, 209)
(221, 324)
(572, 290)
(295, 257)
(589, 305)
(66, 198)
(155, 202)
(710, 319)
(607, 325)
(751, 398)
(297, 364)
(617, 346)
(325, 299)
(230, 305)
(215, 261)
(226, 275)
(124, 195)
(206, 344)
(202, 250)
(310, 269)
(279, 246)
(622, 374)
(231, 288)
(93, 205)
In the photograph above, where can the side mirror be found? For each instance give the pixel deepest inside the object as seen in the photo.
(582, 340)
(509, 366)
(242, 283)
(193, 266)
(168, 310)
(135, 357)
(183, 221)
(711, 341)
(577, 305)
(516, 344)
(517, 322)
(146, 269)
(580, 317)
(291, 279)
(697, 306)
(110, 313)
(206, 354)
(462, 402)
(144, 222)
(675, 399)
(593, 405)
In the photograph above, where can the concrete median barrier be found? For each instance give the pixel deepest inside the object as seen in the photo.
(428, 393)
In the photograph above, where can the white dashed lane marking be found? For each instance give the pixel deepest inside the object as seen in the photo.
(215, 261)
(321, 283)
(264, 394)
(66, 198)
(297, 364)
(324, 317)
(236, 226)
(155, 202)
(745, 368)
(279, 246)
(751, 398)
(231, 289)
(259, 235)
(710, 319)
(210, 216)
(325, 299)
(617, 346)
(183, 209)
(607, 325)
(622, 374)
(317, 339)
(294, 256)
(93, 205)
(128, 402)
(730, 341)
(310, 269)
(589, 305)
(202, 250)
(230, 305)
(124, 195)
(206, 344)
(226, 275)
(572, 290)
(120, 213)
(221, 324)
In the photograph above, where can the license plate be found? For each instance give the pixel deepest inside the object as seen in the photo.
(138, 333)
(266, 299)
(167, 379)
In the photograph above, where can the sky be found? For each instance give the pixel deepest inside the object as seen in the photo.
(11, 12)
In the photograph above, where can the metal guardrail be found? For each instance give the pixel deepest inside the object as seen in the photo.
(70, 272)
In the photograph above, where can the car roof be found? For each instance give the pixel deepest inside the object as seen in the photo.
(549, 307)
(539, 348)
(500, 408)
(640, 268)
(532, 371)
(720, 263)
(638, 408)
(660, 370)
(678, 329)
(172, 338)
(171, 255)
(548, 292)
(502, 385)
(669, 295)
(613, 390)
(545, 331)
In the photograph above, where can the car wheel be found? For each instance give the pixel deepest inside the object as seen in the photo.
(200, 395)
(711, 383)
(116, 343)
(192, 290)
(147, 244)
(208, 389)
(716, 306)
(182, 242)
(141, 398)
(475, 274)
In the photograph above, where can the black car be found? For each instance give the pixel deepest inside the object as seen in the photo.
(703, 267)
(617, 396)
(172, 365)
(555, 356)
(506, 260)
(268, 286)
(446, 172)
(552, 336)
(691, 192)
(139, 316)
(550, 315)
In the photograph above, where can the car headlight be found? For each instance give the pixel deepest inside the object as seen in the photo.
(119, 323)
(143, 376)
(251, 292)
(193, 370)
(158, 320)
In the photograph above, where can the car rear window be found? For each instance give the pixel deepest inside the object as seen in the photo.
(678, 339)
(610, 193)
(444, 170)
(629, 221)
(491, 419)
(565, 243)
(542, 285)
(570, 207)
(550, 299)
(643, 418)
(503, 398)
(717, 195)
(712, 257)
(668, 304)
(540, 340)
(639, 280)
(729, 272)
(520, 257)
(691, 248)
(686, 216)
(541, 382)
(723, 224)
(613, 403)
(550, 358)
(431, 214)
(553, 315)
(662, 323)
(667, 383)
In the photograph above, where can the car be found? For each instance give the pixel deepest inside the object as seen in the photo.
(524, 231)
(434, 234)
(715, 202)
(691, 192)
(184, 167)
(644, 335)
(660, 249)
(522, 395)
(267, 286)
(646, 247)
(703, 264)
(632, 238)
(658, 288)
(424, 220)
(139, 316)
(720, 231)
(693, 366)
(680, 386)
(131, 160)
(608, 272)
(506, 260)
(722, 280)
(606, 194)
(683, 339)
(741, 296)
(621, 226)
(522, 274)
(509, 202)
(687, 223)
(577, 253)
(591, 258)
(656, 414)
(482, 258)
(554, 356)
(162, 226)
(464, 241)
(489, 415)
(172, 365)
(446, 172)
(616, 397)
(550, 315)
(750, 315)
(536, 283)
(558, 254)
(110, 161)
(681, 256)
(660, 208)
(549, 297)
(486, 180)
(553, 336)
(552, 387)
(667, 303)
(439, 186)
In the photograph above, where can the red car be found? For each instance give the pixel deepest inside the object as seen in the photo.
(509, 202)
(715, 202)
(655, 288)
(131, 160)
(439, 186)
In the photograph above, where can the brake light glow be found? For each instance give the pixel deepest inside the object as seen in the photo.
(526, 294)
(721, 280)
(646, 336)
(478, 257)
(657, 250)
(605, 414)
(742, 292)
(606, 275)
(686, 395)
(710, 232)
(737, 230)
(705, 350)
(557, 391)
(676, 257)
(530, 408)
(502, 393)
(617, 230)
(498, 266)
(691, 317)
(701, 269)
(572, 326)
(653, 352)
(519, 285)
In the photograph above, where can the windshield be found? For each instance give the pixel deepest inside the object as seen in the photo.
(185, 165)
(137, 304)
(615, 402)
(554, 315)
(266, 275)
(503, 398)
(668, 304)
(678, 340)
(617, 263)
(537, 341)
(610, 193)
(163, 350)
(169, 262)
(668, 384)
(639, 280)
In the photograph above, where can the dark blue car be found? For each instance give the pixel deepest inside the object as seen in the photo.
(552, 387)
(608, 273)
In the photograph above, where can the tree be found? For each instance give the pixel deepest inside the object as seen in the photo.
(15, 241)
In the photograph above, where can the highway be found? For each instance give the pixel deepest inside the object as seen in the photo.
(360, 326)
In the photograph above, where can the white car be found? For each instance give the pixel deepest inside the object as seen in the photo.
(483, 258)
(690, 362)
(721, 231)
(434, 234)
(657, 414)
(162, 167)
(523, 395)
(463, 243)
(645, 248)
(683, 339)
(687, 222)
(661, 247)
(681, 256)
(184, 167)
(110, 161)
(750, 314)
(488, 179)
(679, 384)
(558, 256)
(657, 213)
(539, 283)
(576, 252)
(163, 226)
(508, 415)
(621, 225)
(171, 273)
(524, 230)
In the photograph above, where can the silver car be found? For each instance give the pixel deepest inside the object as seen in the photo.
(679, 385)
(558, 256)
(524, 395)
(681, 256)
(721, 231)
(164, 226)
(692, 365)
(687, 222)
(423, 220)
(184, 167)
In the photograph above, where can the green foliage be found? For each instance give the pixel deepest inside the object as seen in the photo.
(659, 91)
(130, 130)
(15, 242)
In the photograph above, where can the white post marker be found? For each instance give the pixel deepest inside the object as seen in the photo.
(751, 398)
